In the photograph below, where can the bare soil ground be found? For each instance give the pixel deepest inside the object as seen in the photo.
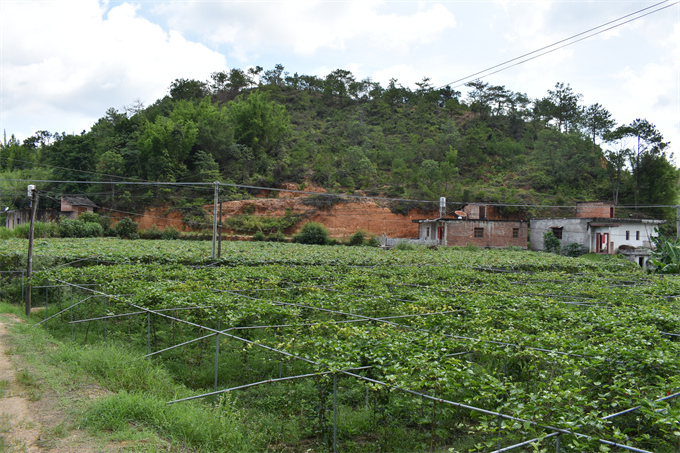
(32, 417)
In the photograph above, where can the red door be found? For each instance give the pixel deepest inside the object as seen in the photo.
(440, 234)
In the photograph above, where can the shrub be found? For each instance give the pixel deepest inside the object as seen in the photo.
(259, 236)
(126, 229)
(40, 230)
(92, 230)
(373, 241)
(170, 233)
(574, 250)
(358, 238)
(404, 245)
(550, 243)
(277, 237)
(313, 233)
(152, 233)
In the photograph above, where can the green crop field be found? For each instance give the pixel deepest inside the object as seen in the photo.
(362, 349)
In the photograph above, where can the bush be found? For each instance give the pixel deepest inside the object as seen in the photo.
(358, 238)
(574, 250)
(152, 233)
(103, 220)
(404, 245)
(126, 229)
(170, 233)
(41, 230)
(259, 236)
(313, 233)
(373, 241)
(277, 237)
(550, 243)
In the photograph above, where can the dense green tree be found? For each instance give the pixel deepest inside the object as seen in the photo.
(188, 89)
(259, 123)
(562, 106)
(165, 145)
(647, 140)
(597, 121)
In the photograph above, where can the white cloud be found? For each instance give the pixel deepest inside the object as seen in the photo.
(73, 57)
(306, 27)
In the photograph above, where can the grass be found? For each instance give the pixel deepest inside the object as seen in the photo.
(136, 412)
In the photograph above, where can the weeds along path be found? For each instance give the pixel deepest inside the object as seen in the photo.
(18, 429)
(32, 417)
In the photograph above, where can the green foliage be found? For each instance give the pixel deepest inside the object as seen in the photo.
(313, 233)
(259, 236)
(77, 228)
(251, 223)
(126, 228)
(358, 238)
(277, 236)
(572, 249)
(323, 201)
(550, 242)
(666, 255)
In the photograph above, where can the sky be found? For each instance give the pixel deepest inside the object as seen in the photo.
(63, 64)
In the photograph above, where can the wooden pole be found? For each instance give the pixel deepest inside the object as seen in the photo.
(29, 269)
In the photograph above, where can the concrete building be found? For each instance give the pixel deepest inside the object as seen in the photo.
(597, 230)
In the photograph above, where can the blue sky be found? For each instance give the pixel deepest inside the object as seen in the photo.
(64, 63)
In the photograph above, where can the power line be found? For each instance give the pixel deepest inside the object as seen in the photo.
(198, 185)
(471, 76)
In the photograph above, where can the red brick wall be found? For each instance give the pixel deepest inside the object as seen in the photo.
(495, 234)
(594, 209)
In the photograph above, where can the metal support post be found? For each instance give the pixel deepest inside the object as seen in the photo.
(214, 237)
(148, 333)
(71, 310)
(29, 269)
(106, 310)
(335, 413)
(217, 355)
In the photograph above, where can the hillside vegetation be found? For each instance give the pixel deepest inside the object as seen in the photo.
(265, 127)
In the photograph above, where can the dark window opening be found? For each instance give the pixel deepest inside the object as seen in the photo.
(482, 212)
(515, 232)
(479, 232)
(557, 232)
(637, 235)
(627, 235)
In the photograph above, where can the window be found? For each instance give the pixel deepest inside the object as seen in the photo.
(637, 235)
(627, 235)
(479, 232)
(557, 232)
(427, 235)
(515, 232)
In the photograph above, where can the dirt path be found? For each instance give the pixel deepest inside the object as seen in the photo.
(18, 428)
(32, 417)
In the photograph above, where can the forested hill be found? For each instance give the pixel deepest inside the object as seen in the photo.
(265, 128)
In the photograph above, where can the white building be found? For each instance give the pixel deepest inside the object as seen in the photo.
(601, 233)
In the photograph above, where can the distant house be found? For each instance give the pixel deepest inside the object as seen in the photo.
(597, 230)
(71, 207)
(477, 224)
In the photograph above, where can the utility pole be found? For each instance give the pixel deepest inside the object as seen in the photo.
(214, 237)
(33, 193)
